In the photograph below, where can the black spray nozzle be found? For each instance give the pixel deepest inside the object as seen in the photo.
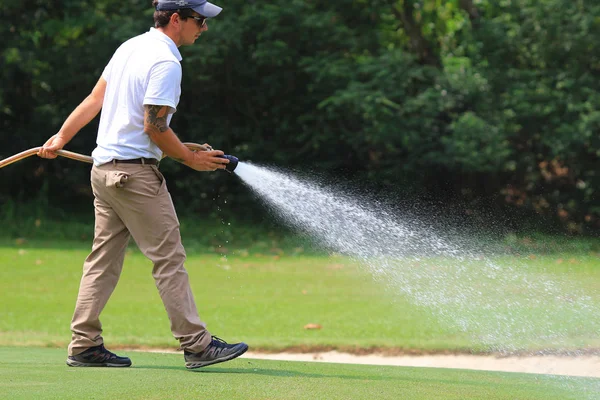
(233, 162)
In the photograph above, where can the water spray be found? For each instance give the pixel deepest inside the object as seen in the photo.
(464, 286)
(233, 161)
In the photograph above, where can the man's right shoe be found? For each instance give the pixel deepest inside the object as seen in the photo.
(217, 351)
(98, 356)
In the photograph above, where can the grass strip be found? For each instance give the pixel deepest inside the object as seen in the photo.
(265, 300)
(27, 373)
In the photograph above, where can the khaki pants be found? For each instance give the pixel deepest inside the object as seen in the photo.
(133, 200)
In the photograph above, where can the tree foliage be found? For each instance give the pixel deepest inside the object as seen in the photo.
(485, 99)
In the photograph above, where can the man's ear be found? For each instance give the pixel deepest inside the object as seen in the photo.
(175, 19)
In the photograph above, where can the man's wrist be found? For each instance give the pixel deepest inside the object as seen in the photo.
(62, 136)
(189, 157)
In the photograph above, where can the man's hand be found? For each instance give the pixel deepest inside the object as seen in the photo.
(56, 142)
(207, 160)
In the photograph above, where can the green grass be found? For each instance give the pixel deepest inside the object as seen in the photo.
(265, 293)
(42, 374)
(265, 300)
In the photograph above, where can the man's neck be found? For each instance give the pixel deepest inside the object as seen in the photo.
(170, 34)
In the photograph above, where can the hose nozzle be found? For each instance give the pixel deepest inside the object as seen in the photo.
(233, 162)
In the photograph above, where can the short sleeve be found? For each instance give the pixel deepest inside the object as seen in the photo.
(107, 69)
(164, 85)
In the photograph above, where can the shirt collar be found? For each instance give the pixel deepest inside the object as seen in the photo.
(156, 34)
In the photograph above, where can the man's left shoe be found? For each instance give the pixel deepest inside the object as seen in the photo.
(98, 356)
(217, 351)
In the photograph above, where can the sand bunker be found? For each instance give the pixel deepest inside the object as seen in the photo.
(553, 365)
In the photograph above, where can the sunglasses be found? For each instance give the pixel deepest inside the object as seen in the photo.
(201, 21)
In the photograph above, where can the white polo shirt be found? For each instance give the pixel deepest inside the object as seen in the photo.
(144, 70)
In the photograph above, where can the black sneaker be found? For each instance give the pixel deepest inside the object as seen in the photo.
(98, 356)
(217, 351)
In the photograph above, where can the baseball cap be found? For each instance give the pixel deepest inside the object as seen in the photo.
(202, 7)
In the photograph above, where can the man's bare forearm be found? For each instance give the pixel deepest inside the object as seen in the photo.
(84, 112)
(170, 144)
(156, 127)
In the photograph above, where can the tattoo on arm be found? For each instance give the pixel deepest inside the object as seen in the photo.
(156, 118)
(155, 122)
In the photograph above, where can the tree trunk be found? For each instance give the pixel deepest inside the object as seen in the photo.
(412, 28)
(471, 10)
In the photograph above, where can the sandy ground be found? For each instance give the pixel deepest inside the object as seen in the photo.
(550, 365)
(553, 365)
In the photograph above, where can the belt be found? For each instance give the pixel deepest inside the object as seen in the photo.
(150, 161)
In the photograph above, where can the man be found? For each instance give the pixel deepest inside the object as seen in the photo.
(138, 93)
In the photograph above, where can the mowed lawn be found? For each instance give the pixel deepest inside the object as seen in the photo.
(266, 300)
(27, 373)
